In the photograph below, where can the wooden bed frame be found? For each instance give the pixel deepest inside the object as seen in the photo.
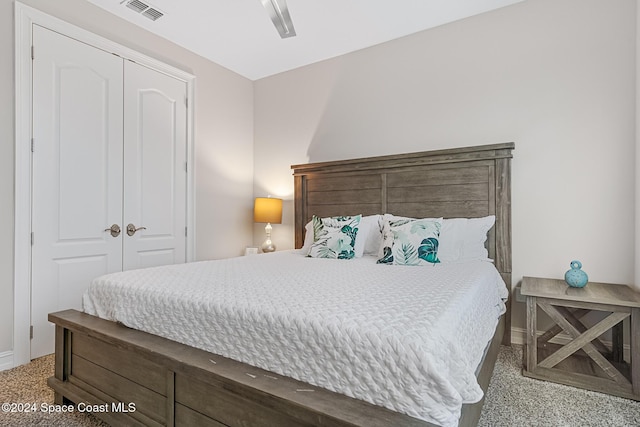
(104, 363)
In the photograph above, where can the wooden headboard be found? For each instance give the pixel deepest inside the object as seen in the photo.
(461, 182)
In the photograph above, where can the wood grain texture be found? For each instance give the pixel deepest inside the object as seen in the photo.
(181, 385)
(440, 175)
(410, 160)
(583, 341)
(584, 361)
(141, 371)
(148, 403)
(440, 193)
(531, 354)
(74, 393)
(570, 316)
(635, 350)
(60, 370)
(461, 182)
(188, 417)
(465, 182)
(594, 292)
(576, 379)
(227, 386)
(471, 412)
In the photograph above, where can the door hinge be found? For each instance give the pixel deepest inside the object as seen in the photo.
(33, 143)
(32, 238)
(186, 166)
(33, 55)
(185, 232)
(31, 332)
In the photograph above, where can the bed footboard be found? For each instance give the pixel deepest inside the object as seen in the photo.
(135, 378)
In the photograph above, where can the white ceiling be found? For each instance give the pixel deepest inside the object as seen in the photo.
(239, 35)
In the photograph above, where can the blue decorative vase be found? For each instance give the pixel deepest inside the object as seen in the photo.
(576, 278)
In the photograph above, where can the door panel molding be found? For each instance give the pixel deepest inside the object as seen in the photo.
(76, 174)
(154, 158)
(25, 19)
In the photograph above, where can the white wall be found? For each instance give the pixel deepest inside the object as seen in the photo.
(557, 77)
(6, 174)
(637, 194)
(223, 139)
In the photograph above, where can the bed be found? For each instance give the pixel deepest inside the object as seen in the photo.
(100, 361)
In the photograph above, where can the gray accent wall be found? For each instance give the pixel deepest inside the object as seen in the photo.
(557, 77)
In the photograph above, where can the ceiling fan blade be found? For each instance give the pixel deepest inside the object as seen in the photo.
(279, 14)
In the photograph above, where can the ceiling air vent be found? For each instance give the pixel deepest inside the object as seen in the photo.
(153, 14)
(145, 9)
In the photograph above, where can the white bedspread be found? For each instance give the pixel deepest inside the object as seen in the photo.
(406, 338)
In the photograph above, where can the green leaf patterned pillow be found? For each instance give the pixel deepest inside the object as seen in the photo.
(334, 237)
(415, 242)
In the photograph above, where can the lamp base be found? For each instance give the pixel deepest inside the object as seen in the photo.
(268, 246)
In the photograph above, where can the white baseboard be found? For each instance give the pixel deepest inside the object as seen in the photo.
(6, 360)
(519, 337)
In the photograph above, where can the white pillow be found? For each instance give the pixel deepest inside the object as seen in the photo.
(308, 238)
(463, 239)
(361, 237)
(370, 235)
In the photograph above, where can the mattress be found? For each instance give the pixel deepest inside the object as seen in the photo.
(405, 338)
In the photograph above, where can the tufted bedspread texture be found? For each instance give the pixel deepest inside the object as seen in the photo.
(408, 338)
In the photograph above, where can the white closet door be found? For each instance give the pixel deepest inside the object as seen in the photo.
(155, 176)
(77, 175)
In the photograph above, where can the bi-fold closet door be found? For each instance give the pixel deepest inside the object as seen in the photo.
(109, 172)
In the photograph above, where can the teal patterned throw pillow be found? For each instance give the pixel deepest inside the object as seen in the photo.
(415, 242)
(334, 237)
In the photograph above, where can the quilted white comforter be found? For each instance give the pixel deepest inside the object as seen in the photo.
(406, 338)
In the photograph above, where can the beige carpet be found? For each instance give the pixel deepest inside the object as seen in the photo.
(512, 400)
(27, 386)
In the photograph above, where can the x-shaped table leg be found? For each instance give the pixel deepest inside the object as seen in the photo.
(583, 341)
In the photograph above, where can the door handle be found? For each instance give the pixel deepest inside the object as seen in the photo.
(114, 229)
(131, 229)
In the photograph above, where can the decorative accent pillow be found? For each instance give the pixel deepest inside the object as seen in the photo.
(334, 237)
(461, 239)
(369, 236)
(387, 236)
(415, 242)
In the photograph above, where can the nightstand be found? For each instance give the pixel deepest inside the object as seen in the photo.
(585, 361)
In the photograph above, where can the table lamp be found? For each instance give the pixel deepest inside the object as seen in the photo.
(269, 210)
